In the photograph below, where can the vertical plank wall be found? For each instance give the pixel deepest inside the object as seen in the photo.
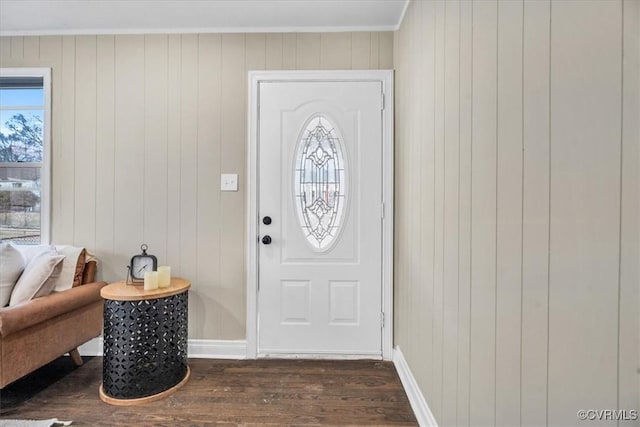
(517, 227)
(142, 127)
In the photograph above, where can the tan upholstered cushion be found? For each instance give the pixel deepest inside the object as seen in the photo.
(38, 278)
(72, 267)
(89, 273)
(77, 277)
(12, 263)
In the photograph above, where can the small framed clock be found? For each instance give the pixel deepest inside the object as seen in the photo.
(142, 263)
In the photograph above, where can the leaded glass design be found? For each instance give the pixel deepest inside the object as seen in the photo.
(319, 183)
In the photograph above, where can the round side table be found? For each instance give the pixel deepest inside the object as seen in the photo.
(145, 342)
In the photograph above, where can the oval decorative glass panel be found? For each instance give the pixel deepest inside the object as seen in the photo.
(320, 183)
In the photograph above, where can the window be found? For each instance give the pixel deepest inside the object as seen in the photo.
(319, 183)
(24, 155)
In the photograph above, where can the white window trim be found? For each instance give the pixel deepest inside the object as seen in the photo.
(45, 174)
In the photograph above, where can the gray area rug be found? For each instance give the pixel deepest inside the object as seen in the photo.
(34, 423)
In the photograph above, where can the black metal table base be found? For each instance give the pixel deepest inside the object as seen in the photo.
(145, 346)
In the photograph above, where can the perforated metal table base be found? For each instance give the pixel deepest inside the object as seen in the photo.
(145, 346)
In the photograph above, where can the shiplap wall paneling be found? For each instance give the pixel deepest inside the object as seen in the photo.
(464, 215)
(438, 206)
(143, 125)
(451, 209)
(408, 218)
(208, 166)
(535, 224)
(17, 47)
(63, 168)
(155, 144)
(399, 58)
(233, 125)
(385, 50)
(375, 50)
(483, 219)
(509, 211)
(289, 51)
(191, 126)
(528, 199)
(629, 351)
(31, 48)
(585, 207)
(129, 145)
(84, 153)
(5, 50)
(111, 264)
(274, 51)
(423, 208)
(188, 143)
(413, 221)
(401, 219)
(256, 51)
(308, 54)
(174, 164)
(360, 51)
(335, 50)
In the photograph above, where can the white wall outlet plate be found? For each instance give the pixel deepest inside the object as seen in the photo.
(229, 182)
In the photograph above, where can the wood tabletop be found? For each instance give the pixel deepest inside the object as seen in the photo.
(120, 291)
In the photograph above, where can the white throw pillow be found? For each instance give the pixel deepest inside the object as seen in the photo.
(29, 252)
(38, 278)
(12, 264)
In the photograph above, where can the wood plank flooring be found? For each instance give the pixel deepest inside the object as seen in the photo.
(223, 392)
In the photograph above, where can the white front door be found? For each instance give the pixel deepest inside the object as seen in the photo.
(320, 198)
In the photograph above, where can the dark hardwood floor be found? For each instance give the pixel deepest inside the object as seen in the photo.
(223, 392)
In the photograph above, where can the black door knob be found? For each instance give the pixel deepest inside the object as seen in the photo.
(266, 240)
(266, 220)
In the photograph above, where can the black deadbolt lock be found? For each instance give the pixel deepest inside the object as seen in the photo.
(266, 240)
(266, 220)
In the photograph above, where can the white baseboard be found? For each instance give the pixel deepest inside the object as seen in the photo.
(416, 398)
(197, 349)
(217, 349)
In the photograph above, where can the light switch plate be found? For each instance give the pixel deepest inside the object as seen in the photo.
(229, 182)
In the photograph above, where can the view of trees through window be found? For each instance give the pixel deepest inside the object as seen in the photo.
(21, 159)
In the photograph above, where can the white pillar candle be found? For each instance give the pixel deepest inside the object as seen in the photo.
(164, 276)
(150, 280)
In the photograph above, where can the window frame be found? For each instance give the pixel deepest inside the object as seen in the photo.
(45, 172)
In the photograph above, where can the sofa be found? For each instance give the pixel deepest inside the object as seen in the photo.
(37, 331)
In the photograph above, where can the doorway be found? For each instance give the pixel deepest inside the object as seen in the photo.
(320, 214)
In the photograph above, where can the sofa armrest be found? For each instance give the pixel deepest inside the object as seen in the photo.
(38, 310)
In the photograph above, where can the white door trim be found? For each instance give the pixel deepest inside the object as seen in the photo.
(255, 78)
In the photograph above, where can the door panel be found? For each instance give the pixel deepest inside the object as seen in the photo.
(320, 180)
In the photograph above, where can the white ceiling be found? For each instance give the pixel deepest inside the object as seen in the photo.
(43, 17)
